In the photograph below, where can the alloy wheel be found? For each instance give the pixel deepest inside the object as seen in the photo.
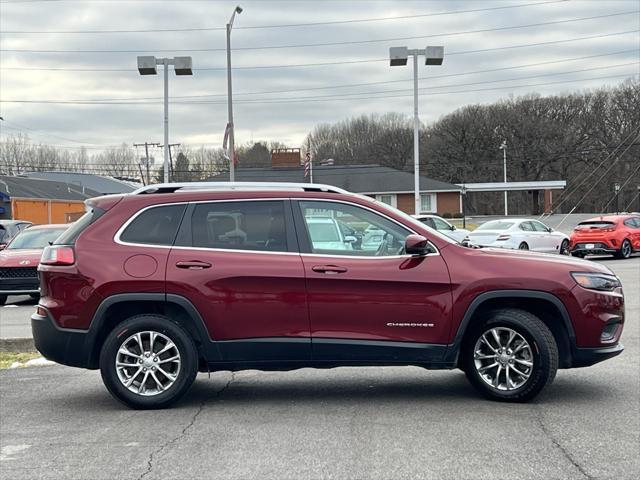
(148, 363)
(503, 358)
(626, 249)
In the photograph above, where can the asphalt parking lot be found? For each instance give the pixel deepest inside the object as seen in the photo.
(386, 423)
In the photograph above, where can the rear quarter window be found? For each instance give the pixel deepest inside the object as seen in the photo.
(154, 226)
(70, 235)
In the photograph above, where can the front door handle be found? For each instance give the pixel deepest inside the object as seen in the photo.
(193, 265)
(328, 269)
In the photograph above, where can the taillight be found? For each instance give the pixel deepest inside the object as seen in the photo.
(502, 238)
(58, 255)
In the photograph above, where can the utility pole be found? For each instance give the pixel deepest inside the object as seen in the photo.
(146, 146)
(503, 147)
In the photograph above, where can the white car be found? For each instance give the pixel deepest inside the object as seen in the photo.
(327, 235)
(519, 233)
(444, 227)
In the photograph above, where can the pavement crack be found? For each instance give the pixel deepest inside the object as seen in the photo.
(556, 443)
(155, 454)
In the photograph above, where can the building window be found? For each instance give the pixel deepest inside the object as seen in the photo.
(389, 199)
(428, 203)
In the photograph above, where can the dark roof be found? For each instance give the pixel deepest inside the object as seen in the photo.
(23, 187)
(97, 183)
(355, 178)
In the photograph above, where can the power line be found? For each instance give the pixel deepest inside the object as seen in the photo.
(285, 25)
(622, 187)
(308, 99)
(136, 99)
(332, 44)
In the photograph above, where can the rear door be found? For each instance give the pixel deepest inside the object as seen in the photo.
(372, 303)
(633, 227)
(238, 263)
(547, 242)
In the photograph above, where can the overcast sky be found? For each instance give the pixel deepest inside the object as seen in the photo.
(41, 67)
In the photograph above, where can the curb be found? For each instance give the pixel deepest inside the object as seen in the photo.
(17, 345)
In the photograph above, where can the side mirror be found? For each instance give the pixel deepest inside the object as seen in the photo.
(2, 246)
(416, 245)
(453, 227)
(350, 239)
(550, 229)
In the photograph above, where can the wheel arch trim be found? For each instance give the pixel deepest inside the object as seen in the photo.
(453, 349)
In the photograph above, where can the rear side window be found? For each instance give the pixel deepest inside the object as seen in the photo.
(257, 225)
(155, 226)
(72, 233)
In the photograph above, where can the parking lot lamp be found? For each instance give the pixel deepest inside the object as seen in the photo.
(398, 56)
(503, 147)
(230, 126)
(147, 66)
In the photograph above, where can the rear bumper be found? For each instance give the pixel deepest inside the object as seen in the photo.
(61, 345)
(599, 247)
(584, 357)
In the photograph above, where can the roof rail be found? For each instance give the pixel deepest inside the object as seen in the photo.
(222, 186)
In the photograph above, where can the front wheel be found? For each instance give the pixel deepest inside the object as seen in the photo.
(510, 357)
(3, 299)
(625, 249)
(148, 362)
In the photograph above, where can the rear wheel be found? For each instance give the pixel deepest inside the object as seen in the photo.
(523, 246)
(564, 247)
(148, 362)
(510, 357)
(625, 249)
(3, 299)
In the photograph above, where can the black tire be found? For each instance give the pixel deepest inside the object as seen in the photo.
(523, 246)
(35, 296)
(564, 246)
(186, 373)
(544, 353)
(3, 299)
(625, 249)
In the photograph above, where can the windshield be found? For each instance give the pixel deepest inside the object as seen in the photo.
(495, 225)
(35, 238)
(3, 233)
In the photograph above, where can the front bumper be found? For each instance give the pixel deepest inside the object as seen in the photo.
(584, 357)
(19, 286)
(62, 345)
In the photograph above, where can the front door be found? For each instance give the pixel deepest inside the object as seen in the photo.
(237, 262)
(367, 300)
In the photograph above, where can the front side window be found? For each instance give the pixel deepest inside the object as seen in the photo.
(155, 226)
(441, 224)
(539, 227)
(252, 225)
(367, 234)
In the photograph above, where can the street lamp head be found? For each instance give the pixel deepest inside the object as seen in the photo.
(238, 9)
(182, 65)
(398, 56)
(434, 55)
(503, 145)
(147, 65)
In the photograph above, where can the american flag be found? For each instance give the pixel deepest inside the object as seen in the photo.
(307, 164)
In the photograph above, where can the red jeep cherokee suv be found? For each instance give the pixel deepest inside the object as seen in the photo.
(154, 286)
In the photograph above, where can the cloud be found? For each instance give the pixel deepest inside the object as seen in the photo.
(280, 116)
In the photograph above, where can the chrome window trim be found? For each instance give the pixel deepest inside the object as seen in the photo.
(117, 239)
(117, 235)
(331, 200)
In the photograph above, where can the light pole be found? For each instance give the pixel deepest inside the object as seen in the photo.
(503, 147)
(147, 66)
(398, 57)
(616, 188)
(230, 127)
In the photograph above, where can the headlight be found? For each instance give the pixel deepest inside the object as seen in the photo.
(597, 281)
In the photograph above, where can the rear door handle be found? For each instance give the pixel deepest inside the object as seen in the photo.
(193, 265)
(328, 269)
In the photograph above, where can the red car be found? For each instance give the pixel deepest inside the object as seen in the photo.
(617, 235)
(19, 260)
(154, 286)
